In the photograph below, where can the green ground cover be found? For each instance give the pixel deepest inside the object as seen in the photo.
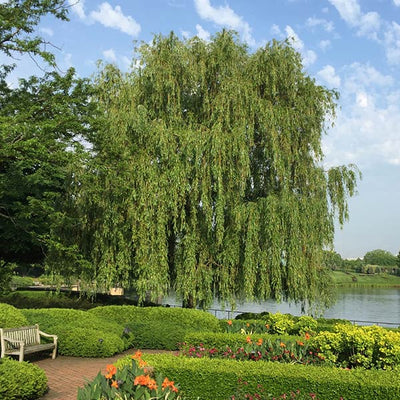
(341, 278)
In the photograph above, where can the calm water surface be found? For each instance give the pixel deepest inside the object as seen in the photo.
(359, 304)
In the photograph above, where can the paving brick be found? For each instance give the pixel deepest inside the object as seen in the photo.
(66, 374)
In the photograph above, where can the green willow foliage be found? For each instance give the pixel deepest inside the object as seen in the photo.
(207, 175)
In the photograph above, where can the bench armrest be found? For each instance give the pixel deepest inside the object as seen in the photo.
(55, 337)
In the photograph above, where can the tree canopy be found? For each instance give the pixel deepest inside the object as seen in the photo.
(41, 123)
(380, 257)
(207, 176)
(18, 21)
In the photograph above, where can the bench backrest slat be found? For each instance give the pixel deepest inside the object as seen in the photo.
(27, 334)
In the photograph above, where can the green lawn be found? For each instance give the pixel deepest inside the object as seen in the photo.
(341, 278)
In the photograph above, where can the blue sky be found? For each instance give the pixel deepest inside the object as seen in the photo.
(350, 45)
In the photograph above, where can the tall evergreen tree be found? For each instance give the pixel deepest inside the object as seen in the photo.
(207, 175)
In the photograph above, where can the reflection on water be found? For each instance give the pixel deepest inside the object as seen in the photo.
(360, 304)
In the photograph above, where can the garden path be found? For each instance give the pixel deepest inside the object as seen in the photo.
(66, 374)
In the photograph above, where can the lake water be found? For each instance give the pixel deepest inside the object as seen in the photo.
(377, 305)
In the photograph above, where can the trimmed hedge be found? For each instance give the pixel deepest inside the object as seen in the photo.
(280, 323)
(232, 340)
(158, 327)
(206, 379)
(11, 317)
(45, 299)
(21, 380)
(184, 317)
(84, 342)
(81, 334)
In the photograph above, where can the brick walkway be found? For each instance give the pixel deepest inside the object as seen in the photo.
(66, 374)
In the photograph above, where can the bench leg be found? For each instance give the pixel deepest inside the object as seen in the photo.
(54, 354)
(21, 355)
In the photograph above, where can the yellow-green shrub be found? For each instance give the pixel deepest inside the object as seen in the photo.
(355, 346)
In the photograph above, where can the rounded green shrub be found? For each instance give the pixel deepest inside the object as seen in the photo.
(196, 320)
(84, 342)
(21, 380)
(11, 317)
(158, 327)
(156, 335)
(93, 333)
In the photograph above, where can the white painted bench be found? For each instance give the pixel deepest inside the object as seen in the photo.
(25, 340)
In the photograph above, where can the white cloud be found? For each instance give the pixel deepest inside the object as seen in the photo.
(47, 31)
(367, 130)
(309, 56)
(224, 16)
(275, 30)
(326, 25)
(78, 7)
(324, 44)
(114, 18)
(349, 10)
(109, 55)
(328, 74)
(368, 24)
(364, 76)
(396, 3)
(392, 43)
(185, 34)
(362, 99)
(202, 33)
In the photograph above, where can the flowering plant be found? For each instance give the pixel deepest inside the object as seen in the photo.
(255, 350)
(132, 382)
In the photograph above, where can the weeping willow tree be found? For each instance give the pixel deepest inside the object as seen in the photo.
(207, 175)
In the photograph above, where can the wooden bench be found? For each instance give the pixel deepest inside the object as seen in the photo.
(25, 340)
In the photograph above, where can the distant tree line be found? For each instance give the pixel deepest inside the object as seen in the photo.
(374, 261)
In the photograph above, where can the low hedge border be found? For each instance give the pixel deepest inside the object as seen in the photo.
(21, 380)
(205, 379)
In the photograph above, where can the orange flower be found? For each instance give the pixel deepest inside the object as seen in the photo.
(142, 363)
(152, 385)
(167, 383)
(307, 336)
(248, 339)
(142, 380)
(229, 322)
(282, 344)
(300, 343)
(111, 370)
(267, 326)
(259, 342)
(114, 384)
(247, 324)
(137, 355)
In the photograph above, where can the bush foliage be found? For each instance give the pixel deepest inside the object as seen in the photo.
(81, 334)
(21, 380)
(218, 379)
(11, 317)
(158, 327)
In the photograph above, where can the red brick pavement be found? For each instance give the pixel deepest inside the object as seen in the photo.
(66, 374)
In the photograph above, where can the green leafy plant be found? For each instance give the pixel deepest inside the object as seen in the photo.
(21, 380)
(135, 381)
(11, 317)
(82, 334)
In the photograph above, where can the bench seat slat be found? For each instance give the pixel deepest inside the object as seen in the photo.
(32, 349)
